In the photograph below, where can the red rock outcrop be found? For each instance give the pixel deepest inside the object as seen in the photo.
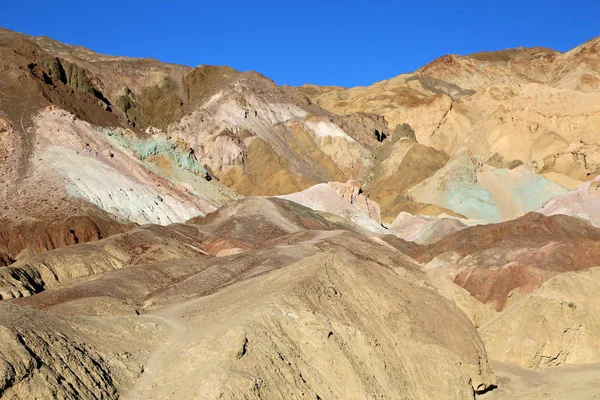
(518, 255)
(36, 237)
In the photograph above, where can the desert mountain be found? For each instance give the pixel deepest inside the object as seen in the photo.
(178, 232)
(533, 106)
(161, 128)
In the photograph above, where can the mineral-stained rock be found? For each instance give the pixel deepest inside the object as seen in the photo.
(468, 187)
(35, 237)
(582, 202)
(498, 261)
(261, 297)
(425, 230)
(352, 206)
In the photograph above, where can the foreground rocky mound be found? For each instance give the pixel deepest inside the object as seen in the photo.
(48, 356)
(307, 304)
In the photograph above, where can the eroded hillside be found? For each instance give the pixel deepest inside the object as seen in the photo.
(178, 232)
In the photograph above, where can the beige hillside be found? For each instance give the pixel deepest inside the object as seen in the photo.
(520, 105)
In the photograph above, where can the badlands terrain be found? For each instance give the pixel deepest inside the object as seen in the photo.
(203, 233)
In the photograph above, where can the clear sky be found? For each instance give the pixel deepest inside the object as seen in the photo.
(326, 42)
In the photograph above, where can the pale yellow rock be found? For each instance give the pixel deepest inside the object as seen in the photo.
(557, 324)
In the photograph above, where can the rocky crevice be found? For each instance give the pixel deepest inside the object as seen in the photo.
(44, 363)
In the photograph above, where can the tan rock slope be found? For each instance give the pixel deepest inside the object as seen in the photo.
(516, 106)
(47, 356)
(556, 324)
(311, 306)
(399, 164)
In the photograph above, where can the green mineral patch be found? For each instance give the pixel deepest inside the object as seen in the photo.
(530, 192)
(175, 150)
(471, 200)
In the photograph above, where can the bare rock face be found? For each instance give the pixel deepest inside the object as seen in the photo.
(340, 199)
(200, 136)
(32, 362)
(425, 230)
(351, 191)
(10, 155)
(34, 237)
(399, 164)
(525, 105)
(320, 312)
(261, 139)
(578, 160)
(555, 325)
(106, 293)
(48, 270)
(45, 356)
(58, 122)
(469, 187)
(369, 129)
(582, 202)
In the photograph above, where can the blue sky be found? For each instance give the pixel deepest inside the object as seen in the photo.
(345, 43)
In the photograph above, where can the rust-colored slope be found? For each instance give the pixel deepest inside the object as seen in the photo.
(35, 237)
(497, 259)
